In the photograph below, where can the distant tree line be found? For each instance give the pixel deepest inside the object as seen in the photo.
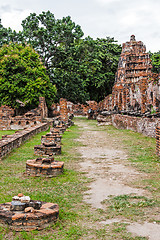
(75, 68)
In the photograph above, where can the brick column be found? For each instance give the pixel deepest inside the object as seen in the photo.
(143, 96)
(63, 109)
(43, 107)
(124, 99)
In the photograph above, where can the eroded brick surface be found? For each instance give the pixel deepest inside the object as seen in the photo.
(21, 221)
(136, 88)
(44, 167)
(142, 125)
(9, 121)
(8, 142)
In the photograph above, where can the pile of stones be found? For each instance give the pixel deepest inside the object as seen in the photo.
(50, 143)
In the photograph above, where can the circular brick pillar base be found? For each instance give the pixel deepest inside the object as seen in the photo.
(40, 167)
(21, 221)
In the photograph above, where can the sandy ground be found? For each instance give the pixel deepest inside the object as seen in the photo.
(104, 161)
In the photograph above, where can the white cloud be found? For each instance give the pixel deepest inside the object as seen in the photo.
(98, 18)
(13, 18)
(104, 2)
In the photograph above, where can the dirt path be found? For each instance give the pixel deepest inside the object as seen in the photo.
(104, 161)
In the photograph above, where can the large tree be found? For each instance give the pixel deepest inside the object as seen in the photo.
(8, 35)
(23, 77)
(82, 69)
(99, 65)
(87, 69)
(46, 34)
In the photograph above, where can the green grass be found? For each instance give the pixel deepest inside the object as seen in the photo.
(76, 219)
(65, 190)
(141, 151)
(132, 207)
(6, 132)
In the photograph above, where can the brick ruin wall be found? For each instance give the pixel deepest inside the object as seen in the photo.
(8, 142)
(146, 126)
(82, 109)
(65, 108)
(8, 121)
(135, 93)
(136, 88)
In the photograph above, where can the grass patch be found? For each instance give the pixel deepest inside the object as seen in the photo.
(6, 132)
(131, 207)
(76, 219)
(141, 152)
(65, 190)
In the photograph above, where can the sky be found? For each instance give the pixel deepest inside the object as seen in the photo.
(97, 18)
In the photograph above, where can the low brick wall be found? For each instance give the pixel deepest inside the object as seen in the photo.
(158, 140)
(8, 142)
(146, 126)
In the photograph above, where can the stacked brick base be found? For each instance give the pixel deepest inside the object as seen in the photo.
(42, 150)
(50, 144)
(44, 167)
(21, 221)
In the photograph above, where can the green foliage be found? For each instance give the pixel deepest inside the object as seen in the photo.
(86, 71)
(81, 69)
(23, 76)
(7, 35)
(155, 58)
(99, 66)
(46, 34)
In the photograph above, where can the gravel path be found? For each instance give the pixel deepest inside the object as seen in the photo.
(105, 162)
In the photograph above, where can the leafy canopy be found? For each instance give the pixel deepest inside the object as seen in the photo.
(23, 77)
(155, 58)
(46, 34)
(81, 69)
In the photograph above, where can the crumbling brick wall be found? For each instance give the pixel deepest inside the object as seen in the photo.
(82, 109)
(6, 112)
(146, 126)
(136, 88)
(9, 121)
(8, 142)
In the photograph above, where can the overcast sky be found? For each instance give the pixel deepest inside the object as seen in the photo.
(97, 18)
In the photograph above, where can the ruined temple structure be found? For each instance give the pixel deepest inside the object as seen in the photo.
(136, 88)
(135, 100)
(89, 109)
(8, 120)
